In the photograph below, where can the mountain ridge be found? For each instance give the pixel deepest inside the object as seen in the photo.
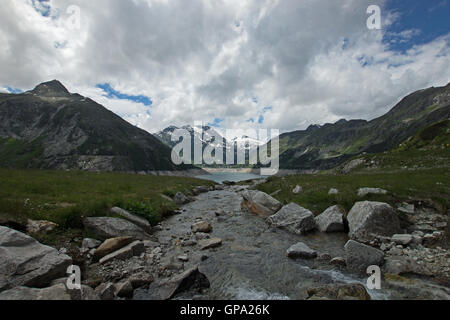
(330, 145)
(50, 128)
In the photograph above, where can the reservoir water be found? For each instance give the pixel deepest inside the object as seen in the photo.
(220, 177)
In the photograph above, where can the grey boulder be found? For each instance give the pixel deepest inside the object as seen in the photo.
(331, 220)
(56, 292)
(360, 256)
(260, 203)
(293, 218)
(139, 221)
(26, 262)
(104, 228)
(367, 220)
(167, 289)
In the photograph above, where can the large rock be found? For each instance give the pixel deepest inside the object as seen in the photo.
(370, 219)
(293, 218)
(111, 245)
(360, 256)
(167, 289)
(26, 262)
(105, 228)
(331, 220)
(139, 221)
(56, 292)
(260, 203)
(351, 291)
(301, 250)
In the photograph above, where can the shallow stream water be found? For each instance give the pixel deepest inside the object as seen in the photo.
(252, 263)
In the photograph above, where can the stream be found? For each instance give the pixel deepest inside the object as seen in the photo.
(251, 264)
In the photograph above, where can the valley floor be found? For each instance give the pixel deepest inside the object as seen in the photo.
(224, 250)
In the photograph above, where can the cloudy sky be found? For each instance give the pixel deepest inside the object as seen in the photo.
(281, 64)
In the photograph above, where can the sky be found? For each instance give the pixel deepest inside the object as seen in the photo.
(279, 64)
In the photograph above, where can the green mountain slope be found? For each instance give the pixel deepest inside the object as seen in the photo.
(328, 146)
(50, 128)
(428, 148)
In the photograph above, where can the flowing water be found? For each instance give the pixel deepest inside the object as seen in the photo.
(252, 263)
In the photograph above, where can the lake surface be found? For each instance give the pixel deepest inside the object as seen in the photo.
(220, 177)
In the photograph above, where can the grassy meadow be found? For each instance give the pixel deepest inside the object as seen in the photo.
(428, 184)
(65, 197)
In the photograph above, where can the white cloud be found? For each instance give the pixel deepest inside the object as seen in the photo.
(198, 60)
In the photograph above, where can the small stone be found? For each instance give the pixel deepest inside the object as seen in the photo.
(188, 243)
(89, 243)
(157, 250)
(297, 190)
(180, 199)
(402, 239)
(333, 191)
(202, 226)
(106, 291)
(124, 289)
(301, 250)
(201, 236)
(183, 258)
(338, 261)
(39, 226)
(210, 243)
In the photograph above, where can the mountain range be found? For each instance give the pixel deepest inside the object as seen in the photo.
(51, 128)
(329, 145)
(209, 136)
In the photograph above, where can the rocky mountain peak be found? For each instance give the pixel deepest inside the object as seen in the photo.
(52, 88)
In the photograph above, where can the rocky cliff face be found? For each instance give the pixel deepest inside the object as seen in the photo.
(327, 146)
(50, 128)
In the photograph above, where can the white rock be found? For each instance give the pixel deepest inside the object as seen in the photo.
(297, 190)
(362, 192)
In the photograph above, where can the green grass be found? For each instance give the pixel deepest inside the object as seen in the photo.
(65, 197)
(432, 184)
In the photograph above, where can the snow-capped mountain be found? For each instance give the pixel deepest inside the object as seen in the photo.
(209, 136)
